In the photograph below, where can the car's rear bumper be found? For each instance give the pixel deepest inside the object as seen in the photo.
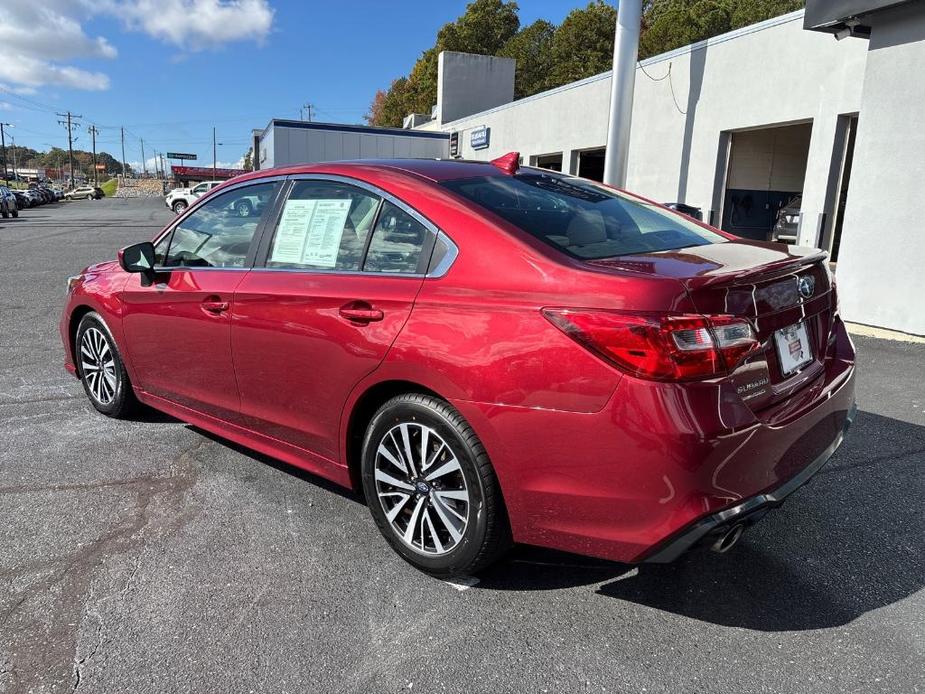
(747, 512)
(662, 465)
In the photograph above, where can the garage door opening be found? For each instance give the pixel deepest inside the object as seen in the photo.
(764, 182)
(553, 162)
(591, 164)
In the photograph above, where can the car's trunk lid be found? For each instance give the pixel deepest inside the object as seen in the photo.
(758, 281)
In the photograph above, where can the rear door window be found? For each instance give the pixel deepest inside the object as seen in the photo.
(398, 243)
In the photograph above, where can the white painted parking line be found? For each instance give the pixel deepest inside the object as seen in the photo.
(462, 583)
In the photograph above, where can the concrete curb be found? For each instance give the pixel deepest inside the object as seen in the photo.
(883, 333)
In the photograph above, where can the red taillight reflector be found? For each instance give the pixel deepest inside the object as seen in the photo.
(666, 348)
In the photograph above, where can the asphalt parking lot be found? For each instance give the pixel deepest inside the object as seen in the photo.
(147, 556)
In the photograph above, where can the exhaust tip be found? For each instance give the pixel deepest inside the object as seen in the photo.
(728, 539)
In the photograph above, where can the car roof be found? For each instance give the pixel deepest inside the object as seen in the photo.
(436, 170)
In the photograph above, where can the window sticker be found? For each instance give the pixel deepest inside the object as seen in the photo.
(310, 232)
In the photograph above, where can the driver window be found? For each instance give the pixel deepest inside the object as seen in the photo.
(219, 233)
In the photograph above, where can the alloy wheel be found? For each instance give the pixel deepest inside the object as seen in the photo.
(421, 488)
(98, 365)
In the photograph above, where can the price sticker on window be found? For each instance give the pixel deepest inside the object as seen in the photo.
(310, 232)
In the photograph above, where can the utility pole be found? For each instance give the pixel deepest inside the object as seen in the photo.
(213, 153)
(306, 107)
(144, 166)
(3, 149)
(70, 139)
(163, 167)
(625, 53)
(122, 131)
(93, 133)
(14, 158)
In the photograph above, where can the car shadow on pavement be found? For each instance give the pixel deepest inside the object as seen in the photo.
(850, 542)
(286, 468)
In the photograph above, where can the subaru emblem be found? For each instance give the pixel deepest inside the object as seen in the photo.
(807, 286)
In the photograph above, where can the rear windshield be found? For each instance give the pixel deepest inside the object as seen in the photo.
(583, 219)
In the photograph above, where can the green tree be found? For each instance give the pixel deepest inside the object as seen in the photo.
(531, 47)
(670, 24)
(484, 28)
(582, 45)
(549, 56)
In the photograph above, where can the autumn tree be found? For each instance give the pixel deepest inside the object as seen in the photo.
(483, 28)
(549, 56)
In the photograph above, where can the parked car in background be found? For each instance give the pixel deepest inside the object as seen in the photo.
(84, 192)
(8, 205)
(787, 225)
(23, 199)
(683, 208)
(180, 198)
(489, 353)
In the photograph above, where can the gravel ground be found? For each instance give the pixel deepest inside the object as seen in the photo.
(147, 556)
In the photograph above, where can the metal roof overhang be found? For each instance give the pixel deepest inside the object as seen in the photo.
(833, 16)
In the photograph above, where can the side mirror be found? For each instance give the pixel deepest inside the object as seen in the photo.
(139, 258)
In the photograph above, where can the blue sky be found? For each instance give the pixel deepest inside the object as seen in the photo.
(168, 70)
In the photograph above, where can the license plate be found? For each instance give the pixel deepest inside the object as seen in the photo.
(793, 349)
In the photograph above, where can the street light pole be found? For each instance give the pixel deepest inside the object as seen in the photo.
(625, 52)
(213, 153)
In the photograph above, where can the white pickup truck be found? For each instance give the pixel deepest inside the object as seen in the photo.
(180, 198)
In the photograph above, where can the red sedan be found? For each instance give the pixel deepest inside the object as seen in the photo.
(490, 354)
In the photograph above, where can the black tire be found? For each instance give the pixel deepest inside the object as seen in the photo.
(486, 534)
(122, 401)
(4, 212)
(244, 208)
(91, 197)
(15, 213)
(179, 206)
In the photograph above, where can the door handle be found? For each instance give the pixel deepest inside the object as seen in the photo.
(215, 305)
(360, 312)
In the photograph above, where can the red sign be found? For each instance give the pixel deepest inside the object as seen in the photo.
(203, 173)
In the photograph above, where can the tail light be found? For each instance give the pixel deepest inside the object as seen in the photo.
(664, 348)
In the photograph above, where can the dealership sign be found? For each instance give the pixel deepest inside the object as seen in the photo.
(204, 173)
(181, 155)
(478, 138)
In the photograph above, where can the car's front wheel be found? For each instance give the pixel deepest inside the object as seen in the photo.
(431, 488)
(101, 369)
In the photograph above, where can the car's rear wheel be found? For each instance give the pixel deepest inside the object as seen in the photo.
(244, 208)
(101, 369)
(431, 488)
(179, 206)
(90, 197)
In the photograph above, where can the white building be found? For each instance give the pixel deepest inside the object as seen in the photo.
(740, 125)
